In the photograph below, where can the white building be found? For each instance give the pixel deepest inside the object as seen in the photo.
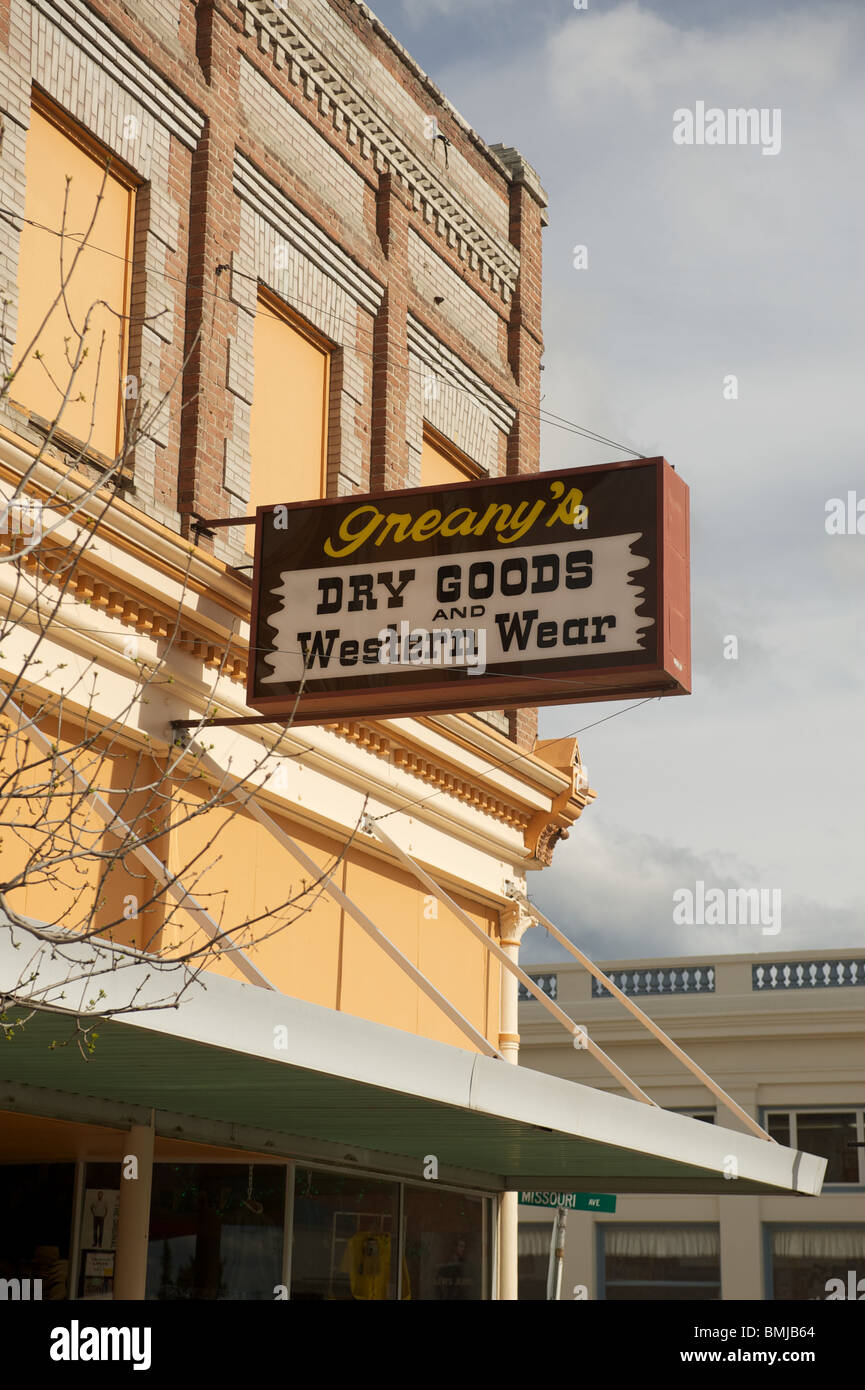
(783, 1034)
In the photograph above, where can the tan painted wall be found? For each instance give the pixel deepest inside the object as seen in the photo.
(298, 936)
(310, 948)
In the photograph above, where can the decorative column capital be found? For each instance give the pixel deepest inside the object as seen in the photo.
(515, 920)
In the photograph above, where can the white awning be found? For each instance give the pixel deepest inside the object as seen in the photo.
(237, 1054)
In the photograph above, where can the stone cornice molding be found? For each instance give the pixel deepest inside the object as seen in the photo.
(384, 743)
(95, 585)
(103, 590)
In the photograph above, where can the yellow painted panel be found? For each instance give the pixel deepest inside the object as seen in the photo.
(464, 971)
(373, 986)
(50, 824)
(238, 872)
(314, 951)
(101, 272)
(436, 467)
(439, 945)
(288, 424)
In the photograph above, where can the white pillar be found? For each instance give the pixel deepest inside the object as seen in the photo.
(133, 1217)
(741, 1248)
(513, 923)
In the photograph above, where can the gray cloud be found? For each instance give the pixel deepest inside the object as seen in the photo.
(705, 262)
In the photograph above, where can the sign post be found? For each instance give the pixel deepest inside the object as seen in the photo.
(557, 1256)
(541, 589)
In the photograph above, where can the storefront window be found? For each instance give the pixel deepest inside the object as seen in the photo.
(661, 1262)
(36, 1202)
(346, 1238)
(533, 1252)
(443, 1244)
(216, 1231)
(816, 1262)
(100, 1205)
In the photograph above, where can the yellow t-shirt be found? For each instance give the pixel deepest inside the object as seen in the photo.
(367, 1263)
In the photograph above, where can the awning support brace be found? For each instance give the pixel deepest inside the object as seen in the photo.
(657, 1032)
(579, 1034)
(426, 986)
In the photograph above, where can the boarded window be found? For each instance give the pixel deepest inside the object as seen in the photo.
(65, 178)
(288, 429)
(442, 462)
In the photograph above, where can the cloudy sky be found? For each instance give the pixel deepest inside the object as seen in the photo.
(703, 262)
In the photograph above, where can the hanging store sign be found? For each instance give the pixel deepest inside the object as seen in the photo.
(542, 589)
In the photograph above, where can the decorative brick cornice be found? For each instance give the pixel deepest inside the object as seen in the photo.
(522, 172)
(360, 121)
(131, 71)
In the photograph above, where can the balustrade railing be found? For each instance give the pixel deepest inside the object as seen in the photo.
(808, 974)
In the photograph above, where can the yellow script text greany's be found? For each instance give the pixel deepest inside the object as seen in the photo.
(509, 523)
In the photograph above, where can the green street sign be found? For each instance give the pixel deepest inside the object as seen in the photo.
(572, 1201)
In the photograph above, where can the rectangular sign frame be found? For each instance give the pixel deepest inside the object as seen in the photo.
(643, 502)
(571, 1201)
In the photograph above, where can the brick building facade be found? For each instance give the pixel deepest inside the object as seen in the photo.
(295, 147)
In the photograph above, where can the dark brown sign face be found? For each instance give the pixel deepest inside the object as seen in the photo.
(544, 589)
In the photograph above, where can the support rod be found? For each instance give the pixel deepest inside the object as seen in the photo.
(366, 923)
(648, 1023)
(580, 1036)
(212, 524)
